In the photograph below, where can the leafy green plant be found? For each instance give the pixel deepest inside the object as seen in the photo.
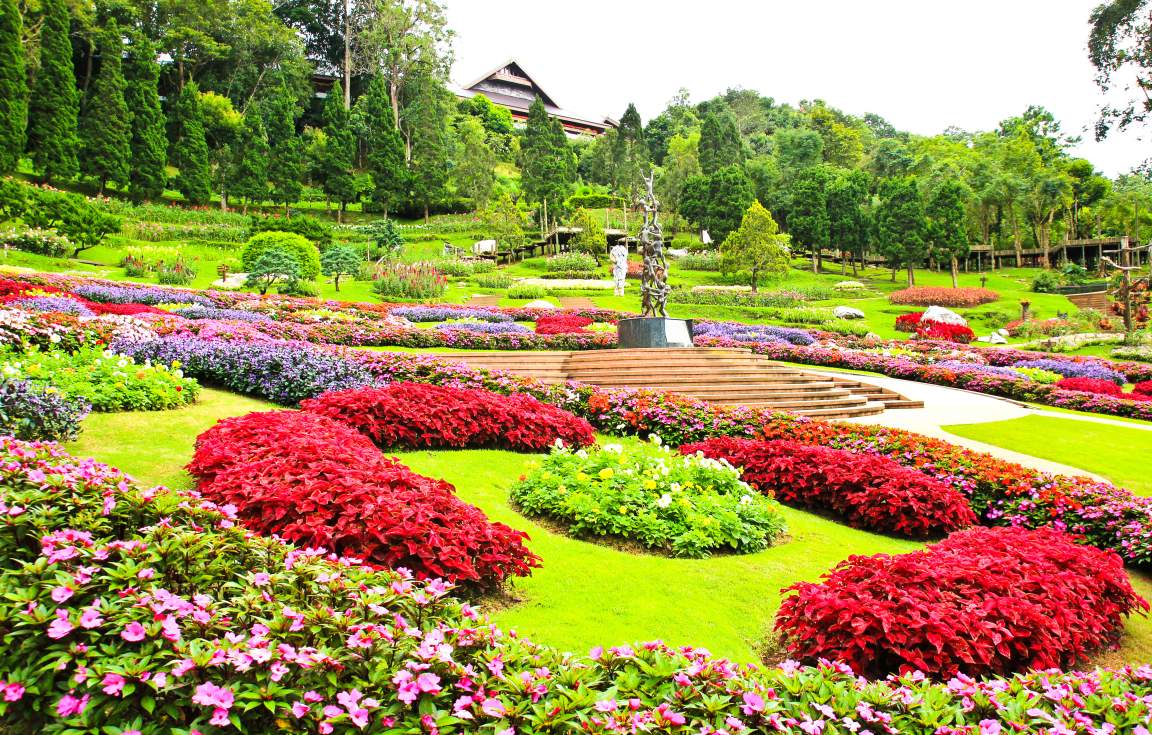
(42, 242)
(493, 280)
(298, 247)
(464, 268)
(705, 261)
(108, 381)
(567, 262)
(682, 506)
(526, 291)
(272, 267)
(409, 281)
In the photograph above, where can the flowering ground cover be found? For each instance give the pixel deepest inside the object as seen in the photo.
(239, 632)
(936, 296)
(682, 506)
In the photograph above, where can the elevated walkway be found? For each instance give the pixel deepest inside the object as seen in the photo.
(733, 377)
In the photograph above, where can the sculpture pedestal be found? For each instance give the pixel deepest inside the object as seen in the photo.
(654, 332)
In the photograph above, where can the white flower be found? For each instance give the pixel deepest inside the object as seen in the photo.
(582, 454)
(655, 439)
(559, 443)
(617, 448)
(675, 487)
(664, 501)
(745, 499)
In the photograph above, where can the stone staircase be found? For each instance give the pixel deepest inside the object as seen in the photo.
(722, 376)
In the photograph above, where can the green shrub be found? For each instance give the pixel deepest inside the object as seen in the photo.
(1046, 282)
(304, 289)
(763, 299)
(319, 233)
(844, 326)
(108, 381)
(42, 242)
(493, 280)
(1040, 375)
(525, 291)
(594, 201)
(464, 268)
(178, 273)
(570, 262)
(682, 506)
(805, 316)
(705, 261)
(295, 245)
(573, 275)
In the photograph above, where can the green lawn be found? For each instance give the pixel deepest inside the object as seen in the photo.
(585, 594)
(1115, 452)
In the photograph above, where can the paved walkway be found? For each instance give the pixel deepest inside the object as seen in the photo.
(576, 302)
(479, 300)
(948, 406)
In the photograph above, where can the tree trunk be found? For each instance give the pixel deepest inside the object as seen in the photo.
(894, 274)
(1016, 241)
(815, 268)
(955, 275)
(911, 276)
(427, 215)
(843, 262)
(347, 55)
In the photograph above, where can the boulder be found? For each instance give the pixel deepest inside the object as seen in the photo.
(847, 312)
(997, 339)
(941, 315)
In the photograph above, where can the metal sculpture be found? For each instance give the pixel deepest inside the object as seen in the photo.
(654, 287)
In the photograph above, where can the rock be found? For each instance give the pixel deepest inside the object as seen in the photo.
(1003, 333)
(540, 304)
(872, 335)
(677, 252)
(997, 339)
(943, 316)
(847, 312)
(983, 339)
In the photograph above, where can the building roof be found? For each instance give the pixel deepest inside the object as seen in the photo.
(508, 85)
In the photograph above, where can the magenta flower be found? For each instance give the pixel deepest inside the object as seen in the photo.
(60, 594)
(60, 627)
(90, 618)
(113, 684)
(261, 579)
(69, 705)
(753, 703)
(493, 708)
(299, 709)
(133, 633)
(13, 692)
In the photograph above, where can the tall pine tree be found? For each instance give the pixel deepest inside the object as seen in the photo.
(428, 116)
(190, 149)
(385, 148)
(720, 144)
(54, 107)
(13, 87)
(106, 130)
(250, 167)
(339, 152)
(901, 225)
(630, 158)
(286, 150)
(549, 162)
(149, 139)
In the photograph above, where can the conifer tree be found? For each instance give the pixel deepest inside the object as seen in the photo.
(286, 150)
(720, 144)
(902, 225)
(339, 152)
(190, 151)
(13, 87)
(549, 163)
(250, 169)
(385, 148)
(431, 143)
(106, 129)
(54, 106)
(630, 156)
(149, 139)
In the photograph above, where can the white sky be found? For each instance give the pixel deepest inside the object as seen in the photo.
(922, 64)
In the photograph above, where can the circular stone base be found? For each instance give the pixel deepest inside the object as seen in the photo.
(654, 332)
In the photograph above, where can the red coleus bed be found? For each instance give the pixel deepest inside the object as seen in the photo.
(939, 296)
(419, 415)
(1090, 385)
(1143, 388)
(320, 483)
(867, 490)
(984, 601)
(562, 324)
(927, 329)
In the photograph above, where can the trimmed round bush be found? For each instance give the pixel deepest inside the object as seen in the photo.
(866, 490)
(416, 415)
(297, 246)
(983, 601)
(318, 482)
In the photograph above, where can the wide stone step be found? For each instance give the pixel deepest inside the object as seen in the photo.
(747, 389)
(639, 375)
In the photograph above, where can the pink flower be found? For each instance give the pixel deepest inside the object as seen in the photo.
(219, 717)
(133, 632)
(493, 708)
(312, 697)
(989, 727)
(113, 684)
(210, 695)
(60, 594)
(60, 627)
(299, 709)
(607, 705)
(13, 692)
(170, 629)
(428, 683)
(69, 705)
(261, 579)
(147, 573)
(753, 703)
(90, 618)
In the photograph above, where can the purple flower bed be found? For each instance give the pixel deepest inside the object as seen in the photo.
(1075, 369)
(139, 295)
(1004, 372)
(284, 372)
(204, 312)
(444, 313)
(753, 333)
(50, 304)
(487, 327)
